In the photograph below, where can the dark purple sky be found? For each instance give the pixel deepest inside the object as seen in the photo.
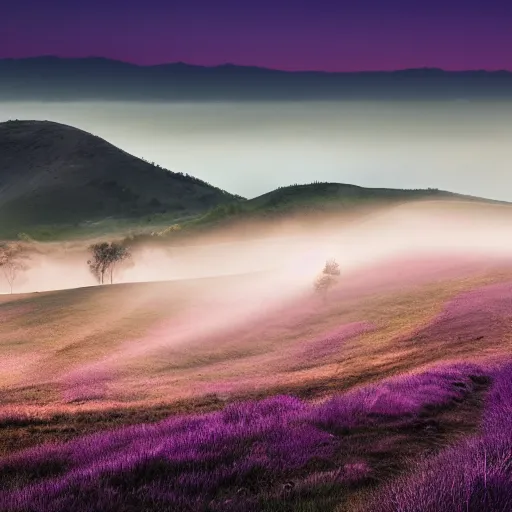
(333, 35)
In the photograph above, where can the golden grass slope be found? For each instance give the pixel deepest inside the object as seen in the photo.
(153, 343)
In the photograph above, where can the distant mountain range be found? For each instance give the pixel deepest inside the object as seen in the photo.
(57, 176)
(54, 79)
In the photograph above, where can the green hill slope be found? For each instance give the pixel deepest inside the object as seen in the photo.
(53, 174)
(335, 195)
(317, 199)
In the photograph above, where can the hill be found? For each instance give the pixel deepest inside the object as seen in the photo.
(56, 174)
(57, 181)
(336, 195)
(335, 400)
(146, 328)
(53, 78)
(310, 202)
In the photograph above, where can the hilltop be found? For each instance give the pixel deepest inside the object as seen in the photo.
(55, 79)
(337, 195)
(310, 202)
(316, 198)
(52, 173)
(57, 181)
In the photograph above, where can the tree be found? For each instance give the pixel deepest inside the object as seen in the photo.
(105, 258)
(328, 278)
(99, 263)
(12, 261)
(118, 254)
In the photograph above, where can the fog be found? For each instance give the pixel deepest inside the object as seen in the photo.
(399, 248)
(291, 259)
(252, 148)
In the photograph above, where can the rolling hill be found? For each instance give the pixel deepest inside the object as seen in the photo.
(337, 195)
(58, 181)
(311, 202)
(112, 395)
(56, 174)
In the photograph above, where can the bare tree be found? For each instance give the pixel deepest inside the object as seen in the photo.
(105, 258)
(328, 278)
(12, 261)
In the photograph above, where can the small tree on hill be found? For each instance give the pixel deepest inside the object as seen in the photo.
(119, 254)
(13, 258)
(98, 263)
(105, 258)
(328, 278)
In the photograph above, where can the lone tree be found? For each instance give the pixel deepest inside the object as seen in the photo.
(327, 278)
(105, 258)
(12, 261)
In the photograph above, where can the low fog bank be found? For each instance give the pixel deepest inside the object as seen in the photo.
(202, 311)
(291, 260)
(252, 148)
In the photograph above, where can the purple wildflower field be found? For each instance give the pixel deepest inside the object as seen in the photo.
(435, 436)
(329, 344)
(472, 476)
(279, 453)
(481, 315)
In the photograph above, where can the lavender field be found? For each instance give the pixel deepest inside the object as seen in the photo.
(474, 474)
(399, 401)
(279, 453)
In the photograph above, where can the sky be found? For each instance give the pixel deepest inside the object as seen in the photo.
(324, 35)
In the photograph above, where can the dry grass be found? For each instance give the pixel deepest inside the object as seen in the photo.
(74, 362)
(49, 340)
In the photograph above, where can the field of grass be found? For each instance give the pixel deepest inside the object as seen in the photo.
(169, 396)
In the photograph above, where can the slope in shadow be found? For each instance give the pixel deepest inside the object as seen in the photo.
(56, 174)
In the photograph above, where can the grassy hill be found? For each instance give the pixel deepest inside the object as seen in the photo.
(337, 406)
(310, 202)
(334, 195)
(57, 181)
(142, 338)
(53, 174)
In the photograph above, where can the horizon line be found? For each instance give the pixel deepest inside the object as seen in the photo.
(253, 66)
